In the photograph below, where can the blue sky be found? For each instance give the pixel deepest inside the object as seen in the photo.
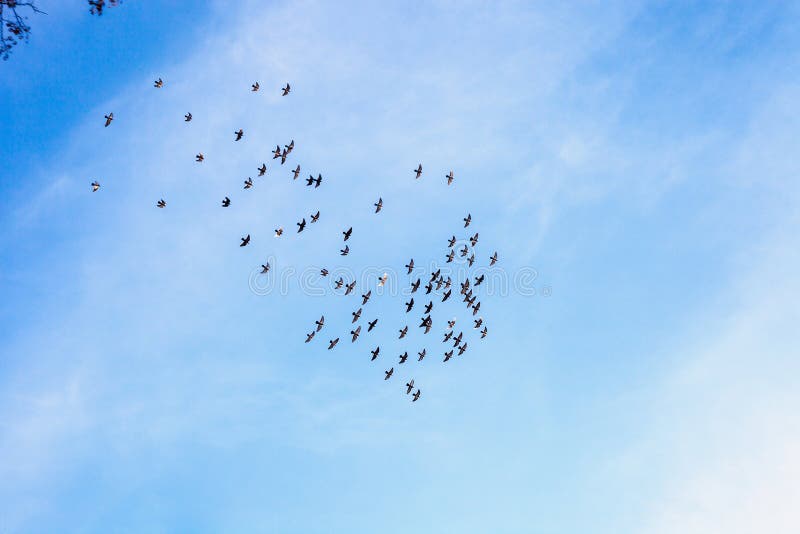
(638, 156)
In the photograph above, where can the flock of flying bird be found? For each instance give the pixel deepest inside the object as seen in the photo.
(437, 284)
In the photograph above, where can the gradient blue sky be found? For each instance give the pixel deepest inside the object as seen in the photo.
(640, 156)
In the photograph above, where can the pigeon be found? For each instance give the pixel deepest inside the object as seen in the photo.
(448, 283)
(248, 183)
(320, 323)
(473, 240)
(187, 117)
(464, 251)
(333, 343)
(318, 180)
(199, 158)
(421, 355)
(277, 152)
(451, 242)
(427, 323)
(449, 177)
(415, 285)
(471, 260)
(484, 332)
(409, 305)
(366, 297)
(95, 186)
(255, 87)
(371, 325)
(356, 315)
(479, 280)
(476, 308)
(296, 173)
(451, 324)
(279, 232)
(462, 348)
(158, 84)
(161, 203)
(345, 251)
(339, 283)
(382, 279)
(324, 272)
(446, 295)
(471, 301)
(448, 355)
(310, 336)
(315, 217)
(286, 90)
(375, 353)
(283, 156)
(389, 373)
(403, 332)
(109, 118)
(457, 339)
(301, 225)
(289, 147)
(435, 275)
(418, 171)
(428, 288)
(450, 256)
(410, 266)
(265, 268)
(355, 333)
(245, 241)
(478, 322)
(239, 133)
(378, 205)
(410, 386)
(464, 286)
(309, 181)
(350, 287)
(226, 202)
(262, 170)
(428, 307)
(467, 220)
(447, 336)
(492, 259)
(403, 357)
(348, 233)
(439, 284)
(415, 396)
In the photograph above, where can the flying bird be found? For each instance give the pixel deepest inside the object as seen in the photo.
(451, 324)
(245, 241)
(277, 152)
(187, 117)
(451, 256)
(286, 90)
(356, 315)
(403, 332)
(446, 295)
(462, 348)
(409, 305)
(347, 233)
(161, 203)
(333, 343)
(296, 173)
(403, 357)
(415, 285)
(428, 288)
(467, 220)
(478, 322)
(320, 323)
(449, 177)
(378, 205)
(464, 251)
(427, 323)
(457, 339)
(451, 242)
(350, 287)
(239, 133)
(375, 353)
(95, 186)
(492, 259)
(418, 171)
(476, 308)
(109, 118)
(315, 217)
(310, 336)
(355, 333)
(366, 297)
(410, 266)
(448, 355)
(435, 275)
(382, 279)
(248, 183)
(389, 373)
(265, 268)
(471, 259)
(289, 147)
(301, 225)
(226, 202)
(283, 156)
(199, 158)
(428, 307)
(479, 280)
(339, 283)
(371, 325)
(255, 87)
(345, 251)
(318, 181)
(447, 336)
(279, 232)
(410, 386)
(262, 170)
(158, 84)
(415, 396)
(474, 239)
(421, 355)
(324, 272)
(484, 332)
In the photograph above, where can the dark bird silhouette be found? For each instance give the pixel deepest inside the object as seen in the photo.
(389, 373)
(310, 336)
(158, 84)
(161, 203)
(371, 325)
(248, 183)
(255, 87)
(320, 323)
(451, 256)
(345, 251)
(471, 260)
(265, 268)
(356, 315)
(479, 280)
(301, 225)
(238, 133)
(366, 297)
(474, 239)
(415, 285)
(350, 287)
(375, 353)
(457, 339)
(199, 158)
(450, 178)
(289, 147)
(447, 336)
(226, 202)
(478, 322)
(418, 171)
(462, 348)
(410, 266)
(245, 241)
(464, 286)
(428, 288)
(464, 251)
(95, 186)
(428, 307)
(283, 156)
(277, 152)
(187, 117)
(467, 296)
(439, 284)
(355, 333)
(279, 232)
(421, 355)
(318, 181)
(410, 386)
(467, 220)
(333, 343)
(448, 282)
(262, 170)
(451, 242)
(492, 259)
(435, 275)
(378, 205)
(109, 118)
(484, 332)
(426, 323)
(324, 272)
(286, 90)
(470, 301)
(296, 173)
(451, 324)
(347, 233)
(415, 396)
(448, 355)
(403, 357)
(339, 283)
(476, 308)
(315, 217)
(446, 295)
(409, 305)
(403, 332)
